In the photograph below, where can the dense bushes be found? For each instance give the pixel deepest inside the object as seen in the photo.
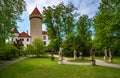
(37, 48)
(74, 42)
(9, 52)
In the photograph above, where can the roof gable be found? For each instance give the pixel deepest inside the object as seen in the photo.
(24, 34)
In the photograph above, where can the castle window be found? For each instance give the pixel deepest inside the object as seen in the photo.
(27, 39)
(44, 43)
(22, 39)
(16, 39)
(44, 37)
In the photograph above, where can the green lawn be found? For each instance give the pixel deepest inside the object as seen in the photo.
(45, 68)
(3, 61)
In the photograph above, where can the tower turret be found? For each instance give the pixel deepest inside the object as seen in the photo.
(35, 24)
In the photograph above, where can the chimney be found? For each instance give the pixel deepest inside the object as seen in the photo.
(27, 31)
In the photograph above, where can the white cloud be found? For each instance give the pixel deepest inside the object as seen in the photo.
(89, 7)
(31, 4)
(84, 6)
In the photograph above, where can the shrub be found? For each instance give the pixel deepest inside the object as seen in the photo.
(29, 49)
(39, 48)
(10, 52)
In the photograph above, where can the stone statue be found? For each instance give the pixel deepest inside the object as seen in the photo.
(110, 55)
(81, 55)
(106, 56)
(75, 54)
(92, 57)
(60, 56)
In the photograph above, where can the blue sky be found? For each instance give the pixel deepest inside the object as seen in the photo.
(89, 7)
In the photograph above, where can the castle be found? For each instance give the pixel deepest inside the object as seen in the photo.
(35, 30)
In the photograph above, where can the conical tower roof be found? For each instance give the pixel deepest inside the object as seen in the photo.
(15, 30)
(36, 11)
(35, 14)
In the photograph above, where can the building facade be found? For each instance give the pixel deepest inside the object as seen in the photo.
(25, 37)
(45, 38)
(35, 30)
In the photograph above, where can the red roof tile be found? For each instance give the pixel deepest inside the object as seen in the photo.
(44, 33)
(24, 34)
(36, 11)
(15, 30)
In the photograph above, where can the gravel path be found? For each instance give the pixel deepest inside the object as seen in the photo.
(11, 62)
(102, 63)
(98, 62)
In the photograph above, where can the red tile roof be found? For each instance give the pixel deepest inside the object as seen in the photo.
(15, 30)
(36, 11)
(24, 34)
(44, 33)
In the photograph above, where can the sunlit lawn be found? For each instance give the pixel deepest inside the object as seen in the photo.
(45, 68)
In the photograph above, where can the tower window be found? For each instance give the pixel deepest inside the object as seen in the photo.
(44, 37)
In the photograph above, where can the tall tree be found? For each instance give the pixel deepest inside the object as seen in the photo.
(84, 31)
(59, 21)
(10, 11)
(107, 26)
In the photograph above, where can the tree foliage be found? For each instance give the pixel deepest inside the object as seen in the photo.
(84, 33)
(66, 30)
(107, 26)
(60, 22)
(84, 30)
(37, 47)
(10, 11)
(10, 52)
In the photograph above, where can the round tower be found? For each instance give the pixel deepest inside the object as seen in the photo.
(35, 24)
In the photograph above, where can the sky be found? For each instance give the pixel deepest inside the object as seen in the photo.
(89, 7)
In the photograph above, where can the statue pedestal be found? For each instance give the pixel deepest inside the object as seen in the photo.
(60, 61)
(105, 57)
(110, 59)
(92, 63)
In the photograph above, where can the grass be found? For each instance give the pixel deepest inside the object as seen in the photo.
(45, 68)
(116, 60)
(83, 60)
(2, 61)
